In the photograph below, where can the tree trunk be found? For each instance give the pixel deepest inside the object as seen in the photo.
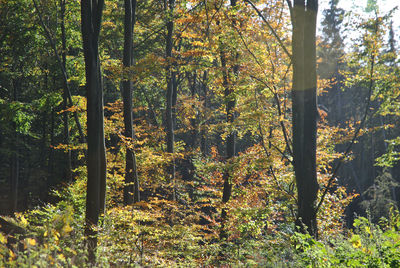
(171, 87)
(304, 105)
(204, 125)
(131, 188)
(14, 167)
(231, 138)
(50, 160)
(63, 70)
(91, 12)
(68, 165)
(193, 121)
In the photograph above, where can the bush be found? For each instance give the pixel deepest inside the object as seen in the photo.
(367, 245)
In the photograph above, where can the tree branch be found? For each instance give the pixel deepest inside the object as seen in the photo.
(362, 123)
(64, 72)
(270, 28)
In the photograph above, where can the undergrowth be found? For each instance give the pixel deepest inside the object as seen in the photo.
(160, 233)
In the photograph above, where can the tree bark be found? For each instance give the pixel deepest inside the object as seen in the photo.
(50, 160)
(131, 188)
(304, 109)
(91, 13)
(171, 91)
(204, 125)
(231, 138)
(68, 165)
(14, 167)
(193, 121)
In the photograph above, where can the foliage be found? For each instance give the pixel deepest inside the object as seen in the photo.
(368, 245)
(379, 200)
(163, 233)
(261, 211)
(54, 238)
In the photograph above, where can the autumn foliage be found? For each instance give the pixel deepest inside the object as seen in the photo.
(178, 222)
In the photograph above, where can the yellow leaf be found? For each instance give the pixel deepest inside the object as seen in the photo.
(24, 221)
(3, 239)
(56, 235)
(31, 241)
(51, 259)
(61, 257)
(12, 255)
(356, 241)
(67, 228)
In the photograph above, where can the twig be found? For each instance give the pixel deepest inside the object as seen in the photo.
(362, 123)
(64, 72)
(268, 155)
(270, 28)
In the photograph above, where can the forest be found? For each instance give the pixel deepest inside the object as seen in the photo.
(199, 133)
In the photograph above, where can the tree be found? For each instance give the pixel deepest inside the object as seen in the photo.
(330, 53)
(131, 188)
(91, 13)
(171, 89)
(14, 165)
(304, 111)
(61, 60)
(230, 118)
(16, 32)
(378, 200)
(68, 164)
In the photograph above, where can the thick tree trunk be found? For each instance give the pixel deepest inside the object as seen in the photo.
(171, 87)
(131, 188)
(91, 12)
(304, 105)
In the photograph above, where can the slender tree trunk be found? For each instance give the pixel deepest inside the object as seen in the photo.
(91, 13)
(14, 178)
(14, 167)
(43, 153)
(204, 125)
(231, 138)
(193, 121)
(131, 188)
(171, 87)
(304, 105)
(50, 160)
(68, 165)
(174, 96)
(63, 70)
(50, 163)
